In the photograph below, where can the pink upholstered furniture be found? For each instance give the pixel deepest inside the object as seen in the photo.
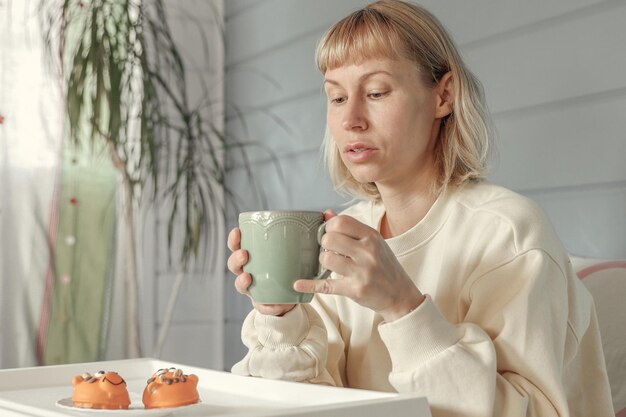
(606, 280)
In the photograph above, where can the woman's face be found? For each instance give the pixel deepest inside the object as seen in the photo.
(385, 121)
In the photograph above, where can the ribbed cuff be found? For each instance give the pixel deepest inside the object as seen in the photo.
(279, 332)
(418, 336)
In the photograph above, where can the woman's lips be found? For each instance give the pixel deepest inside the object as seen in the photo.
(359, 153)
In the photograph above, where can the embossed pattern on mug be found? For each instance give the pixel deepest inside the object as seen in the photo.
(282, 247)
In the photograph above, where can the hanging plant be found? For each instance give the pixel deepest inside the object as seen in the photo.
(127, 91)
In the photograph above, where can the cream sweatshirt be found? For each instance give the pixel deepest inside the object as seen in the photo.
(506, 329)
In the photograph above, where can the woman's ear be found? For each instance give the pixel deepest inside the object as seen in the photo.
(445, 96)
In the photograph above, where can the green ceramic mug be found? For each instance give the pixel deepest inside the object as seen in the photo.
(283, 246)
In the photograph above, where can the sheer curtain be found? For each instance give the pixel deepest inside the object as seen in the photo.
(42, 314)
(30, 140)
(57, 213)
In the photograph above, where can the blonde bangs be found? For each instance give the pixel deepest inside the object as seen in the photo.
(363, 35)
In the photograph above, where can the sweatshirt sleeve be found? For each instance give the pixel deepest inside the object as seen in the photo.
(293, 347)
(510, 352)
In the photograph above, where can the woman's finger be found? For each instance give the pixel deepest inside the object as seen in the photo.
(349, 237)
(236, 261)
(329, 214)
(242, 283)
(337, 286)
(339, 244)
(348, 226)
(338, 263)
(234, 239)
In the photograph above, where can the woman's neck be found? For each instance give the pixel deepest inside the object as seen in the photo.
(405, 207)
(401, 216)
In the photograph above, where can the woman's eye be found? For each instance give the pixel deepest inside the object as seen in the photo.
(377, 94)
(338, 100)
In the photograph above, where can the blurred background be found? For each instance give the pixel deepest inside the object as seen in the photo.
(246, 96)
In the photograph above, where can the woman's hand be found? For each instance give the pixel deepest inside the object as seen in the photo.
(369, 272)
(237, 259)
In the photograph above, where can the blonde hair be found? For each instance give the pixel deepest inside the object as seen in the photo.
(396, 29)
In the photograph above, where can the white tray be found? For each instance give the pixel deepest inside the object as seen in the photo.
(35, 391)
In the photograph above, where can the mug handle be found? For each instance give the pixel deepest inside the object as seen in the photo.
(324, 273)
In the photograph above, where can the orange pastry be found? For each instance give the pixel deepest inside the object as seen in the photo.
(102, 390)
(170, 388)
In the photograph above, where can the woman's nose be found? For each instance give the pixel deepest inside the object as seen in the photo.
(354, 116)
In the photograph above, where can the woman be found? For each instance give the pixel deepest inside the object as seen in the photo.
(443, 284)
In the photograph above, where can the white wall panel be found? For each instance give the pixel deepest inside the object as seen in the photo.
(575, 143)
(306, 184)
(194, 9)
(196, 299)
(468, 21)
(237, 305)
(283, 129)
(194, 344)
(474, 21)
(196, 333)
(572, 59)
(237, 7)
(197, 32)
(590, 220)
(275, 24)
(235, 349)
(271, 78)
